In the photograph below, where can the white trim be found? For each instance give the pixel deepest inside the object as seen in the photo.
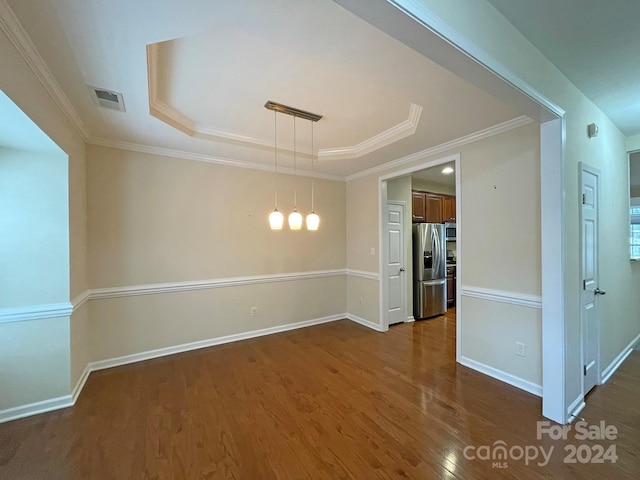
(443, 147)
(21, 411)
(364, 322)
(12, 28)
(35, 312)
(362, 274)
(622, 356)
(391, 135)
(419, 12)
(200, 157)
(80, 383)
(410, 319)
(162, 352)
(505, 377)
(80, 299)
(35, 408)
(575, 408)
(502, 296)
(154, 289)
(171, 116)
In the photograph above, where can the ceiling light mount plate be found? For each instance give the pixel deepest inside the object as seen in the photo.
(296, 112)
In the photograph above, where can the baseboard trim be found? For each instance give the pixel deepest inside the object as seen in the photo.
(364, 322)
(575, 408)
(410, 319)
(505, 377)
(35, 408)
(613, 366)
(187, 347)
(44, 406)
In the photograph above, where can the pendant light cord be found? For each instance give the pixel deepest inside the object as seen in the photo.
(295, 190)
(275, 157)
(312, 175)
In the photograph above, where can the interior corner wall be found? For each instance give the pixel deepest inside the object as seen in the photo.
(363, 296)
(53, 378)
(157, 220)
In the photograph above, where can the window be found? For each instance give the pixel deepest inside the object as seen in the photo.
(635, 230)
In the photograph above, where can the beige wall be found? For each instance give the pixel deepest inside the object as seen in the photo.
(511, 263)
(155, 219)
(34, 213)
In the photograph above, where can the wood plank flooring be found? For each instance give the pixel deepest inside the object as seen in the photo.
(335, 401)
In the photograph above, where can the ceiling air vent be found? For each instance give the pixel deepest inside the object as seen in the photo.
(107, 98)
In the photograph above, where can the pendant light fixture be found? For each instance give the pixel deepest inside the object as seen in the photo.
(313, 220)
(295, 219)
(276, 218)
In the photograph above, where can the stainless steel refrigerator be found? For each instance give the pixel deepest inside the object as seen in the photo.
(429, 270)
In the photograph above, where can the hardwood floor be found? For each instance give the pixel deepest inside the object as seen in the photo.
(327, 402)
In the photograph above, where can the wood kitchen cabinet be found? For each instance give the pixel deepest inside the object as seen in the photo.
(451, 285)
(417, 201)
(448, 208)
(432, 207)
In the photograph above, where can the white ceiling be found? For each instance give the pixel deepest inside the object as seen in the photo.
(595, 43)
(219, 61)
(435, 175)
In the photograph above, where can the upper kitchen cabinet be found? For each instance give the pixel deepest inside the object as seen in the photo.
(433, 208)
(417, 200)
(448, 208)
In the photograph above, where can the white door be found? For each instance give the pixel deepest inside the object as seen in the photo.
(589, 316)
(395, 263)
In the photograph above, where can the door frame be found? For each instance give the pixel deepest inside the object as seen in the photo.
(584, 167)
(384, 255)
(382, 242)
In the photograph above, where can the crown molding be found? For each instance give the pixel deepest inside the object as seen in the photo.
(199, 157)
(12, 28)
(173, 117)
(443, 147)
(378, 141)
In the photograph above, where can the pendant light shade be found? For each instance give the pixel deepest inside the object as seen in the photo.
(313, 222)
(276, 219)
(295, 220)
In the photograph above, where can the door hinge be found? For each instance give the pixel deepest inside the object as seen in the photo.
(584, 199)
(584, 284)
(584, 369)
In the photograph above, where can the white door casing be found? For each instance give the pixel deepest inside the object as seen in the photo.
(395, 263)
(589, 311)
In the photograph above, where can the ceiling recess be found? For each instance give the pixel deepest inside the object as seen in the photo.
(107, 98)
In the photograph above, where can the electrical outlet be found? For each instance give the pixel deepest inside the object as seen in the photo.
(254, 311)
(360, 300)
(520, 349)
(373, 250)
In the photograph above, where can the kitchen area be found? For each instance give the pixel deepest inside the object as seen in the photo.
(433, 238)
(430, 239)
